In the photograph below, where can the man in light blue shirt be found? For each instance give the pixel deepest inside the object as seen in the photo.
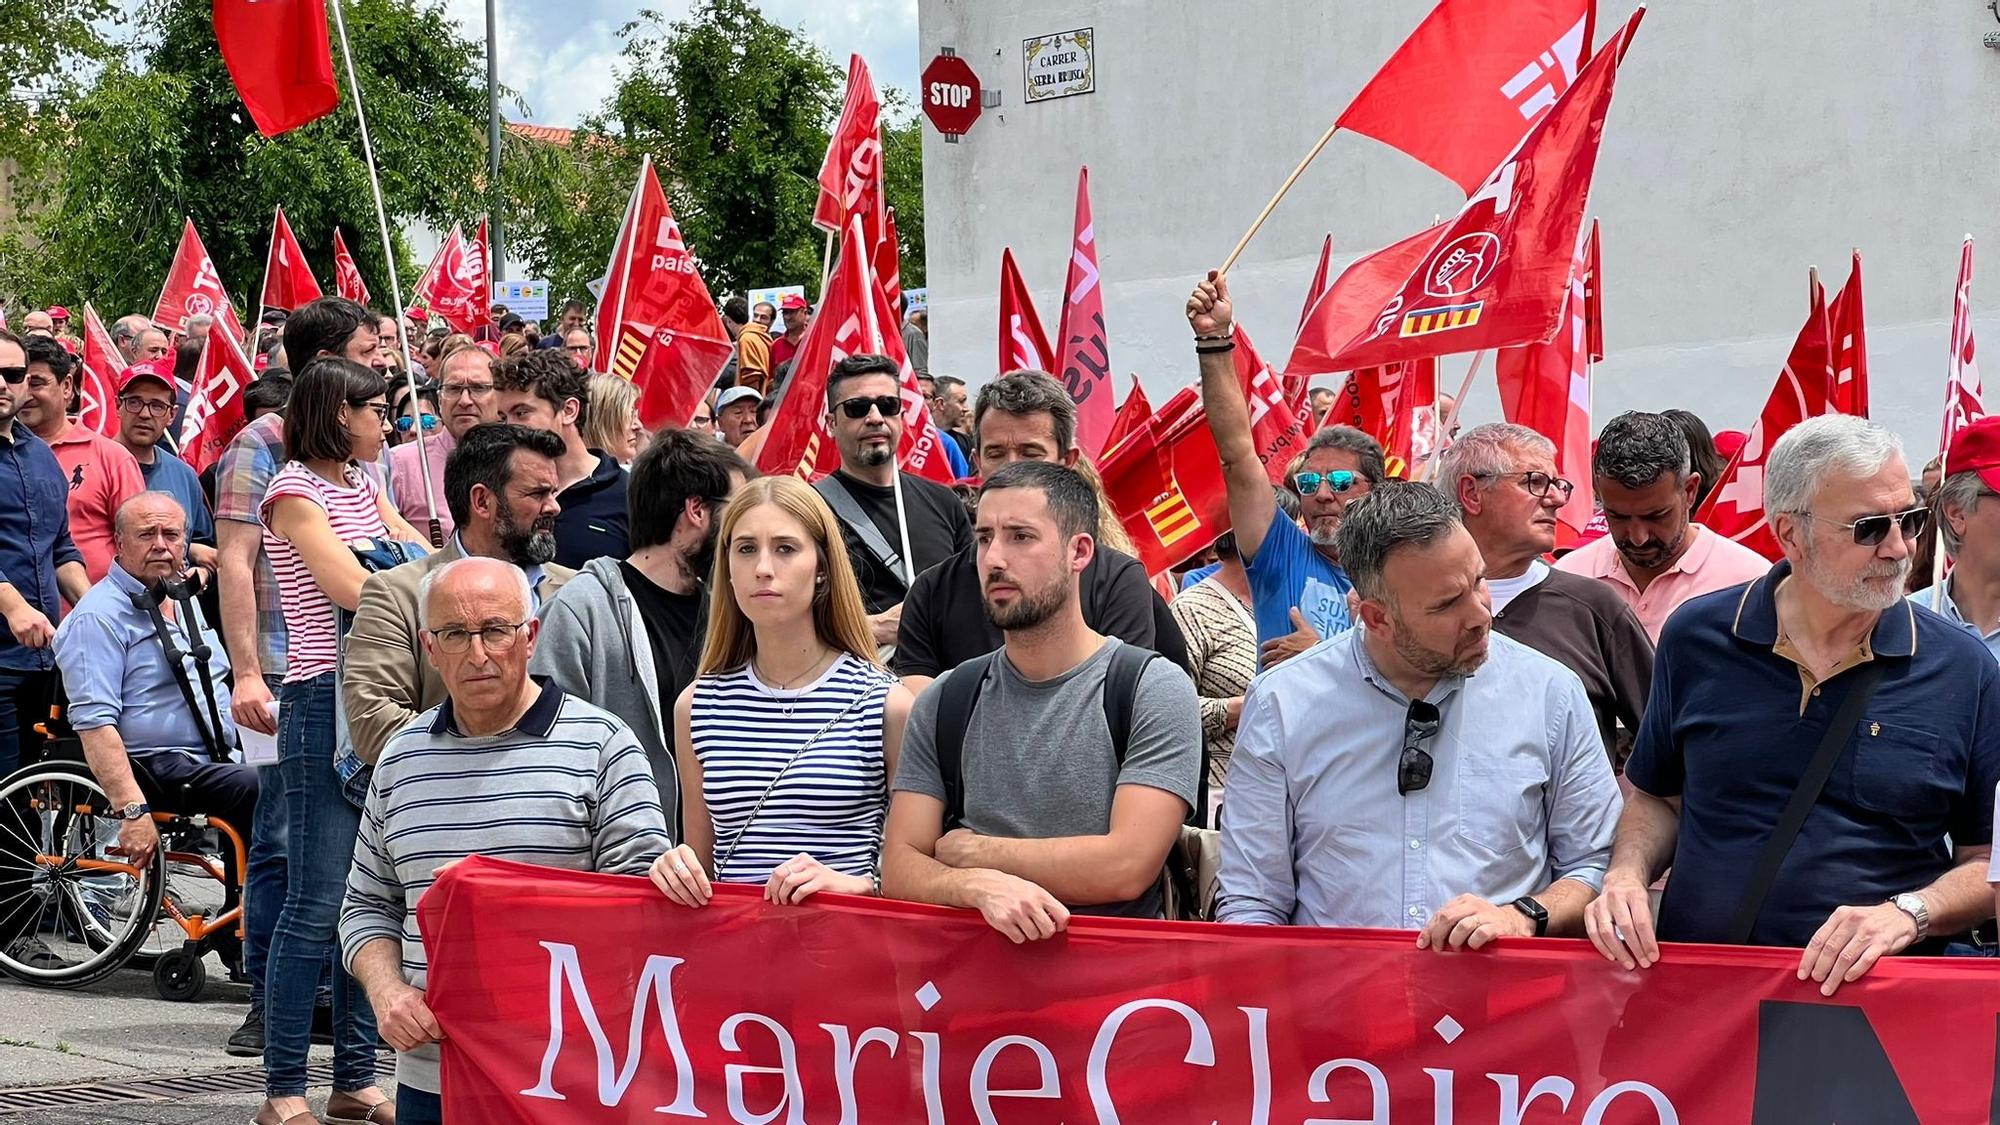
(1418, 772)
(1971, 528)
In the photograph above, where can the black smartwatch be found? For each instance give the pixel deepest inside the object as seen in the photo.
(1527, 904)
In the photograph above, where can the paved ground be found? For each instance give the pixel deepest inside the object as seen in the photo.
(117, 1031)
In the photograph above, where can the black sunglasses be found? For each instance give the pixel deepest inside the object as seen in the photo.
(1869, 531)
(858, 408)
(1413, 770)
(13, 374)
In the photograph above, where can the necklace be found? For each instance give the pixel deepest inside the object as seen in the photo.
(786, 704)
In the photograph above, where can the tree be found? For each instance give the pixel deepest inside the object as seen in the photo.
(903, 181)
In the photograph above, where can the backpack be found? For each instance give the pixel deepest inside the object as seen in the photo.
(1189, 878)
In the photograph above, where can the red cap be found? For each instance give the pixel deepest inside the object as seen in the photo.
(57, 312)
(416, 312)
(794, 301)
(1729, 442)
(1976, 447)
(159, 370)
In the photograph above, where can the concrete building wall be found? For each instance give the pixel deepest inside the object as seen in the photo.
(1746, 142)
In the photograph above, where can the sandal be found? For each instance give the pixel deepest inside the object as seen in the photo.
(346, 1109)
(268, 1116)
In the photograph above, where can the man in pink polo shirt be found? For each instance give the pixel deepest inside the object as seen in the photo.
(100, 473)
(466, 398)
(1655, 556)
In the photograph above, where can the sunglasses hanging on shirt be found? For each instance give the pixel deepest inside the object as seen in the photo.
(1413, 769)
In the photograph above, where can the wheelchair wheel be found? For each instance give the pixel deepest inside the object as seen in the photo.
(179, 975)
(69, 914)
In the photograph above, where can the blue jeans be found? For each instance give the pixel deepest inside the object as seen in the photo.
(320, 848)
(264, 883)
(418, 1107)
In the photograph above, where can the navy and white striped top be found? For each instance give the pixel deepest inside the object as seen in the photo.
(829, 804)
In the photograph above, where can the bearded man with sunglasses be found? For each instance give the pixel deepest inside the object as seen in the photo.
(891, 539)
(1504, 479)
(1819, 761)
(1417, 772)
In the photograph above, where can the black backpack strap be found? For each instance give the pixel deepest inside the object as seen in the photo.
(1121, 691)
(1839, 732)
(956, 700)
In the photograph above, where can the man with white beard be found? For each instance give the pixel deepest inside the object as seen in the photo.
(1818, 700)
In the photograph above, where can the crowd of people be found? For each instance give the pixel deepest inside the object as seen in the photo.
(630, 652)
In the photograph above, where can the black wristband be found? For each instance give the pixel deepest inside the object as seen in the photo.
(1533, 908)
(1214, 349)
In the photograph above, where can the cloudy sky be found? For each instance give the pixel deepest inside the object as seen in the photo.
(563, 57)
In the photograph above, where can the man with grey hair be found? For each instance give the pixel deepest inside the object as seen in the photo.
(1816, 699)
(1297, 587)
(1653, 555)
(507, 766)
(1504, 479)
(1971, 530)
(1417, 772)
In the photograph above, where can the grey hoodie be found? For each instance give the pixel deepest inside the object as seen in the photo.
(594, 646)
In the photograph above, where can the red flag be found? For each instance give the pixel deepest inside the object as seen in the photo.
(1736, 507)
(1471, 79)
(1296, 384)
(889, 260)
(1279, 425)
(1132, 414)
(1850, 346)
(1165, 484)
(1500, 275)
(850, 177)
(853, 318)
(455, 285)
(215, 405)
(657, 321)
(194, 289)
(1593, 296)
(1396, 404)
(1083, 358)
(101, 365)
(1546, 387)
(346, 274)
(1023, 344)
(1350, 305)
(279, 57)
(288, 281)
(1964, 397)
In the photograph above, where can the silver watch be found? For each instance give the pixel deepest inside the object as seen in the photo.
(1913, 905)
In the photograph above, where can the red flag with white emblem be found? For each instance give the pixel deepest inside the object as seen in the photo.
(1964, 401)
(1546, 387)
(1349, 306)
(288, 281)
(193, 288)
(1471, 79)
(1850, 346)
(657, 320)
(455, 286)
(346, 274)
(1279, 426)
(102, 363)
(1736, 507)
(1500, 273)
(215, 404)
(850, 176)
(1023, 344)
(1083, 357)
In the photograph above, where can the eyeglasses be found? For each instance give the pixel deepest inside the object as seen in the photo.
(143, 407)
(858, 408)
(576, 349)
(1537, 483)
(493, 638)
(1340, 480)
(405, 425)
(13, 374)
(381, 409)
(1869, 531)
(1413, 770)
(468, 390)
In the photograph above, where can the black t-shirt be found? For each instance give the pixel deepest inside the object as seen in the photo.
(939, 529)
(945, 624)
(677, 627)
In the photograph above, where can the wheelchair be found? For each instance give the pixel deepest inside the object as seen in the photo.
(74, 908)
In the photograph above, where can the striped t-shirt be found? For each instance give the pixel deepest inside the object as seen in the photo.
(567, 787)
(829, 799)
(355, 512)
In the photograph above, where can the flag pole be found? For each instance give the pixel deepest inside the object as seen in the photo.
(1464, 387)
(875, 337)
(1273, 204)
(250, 340)
(825, 264)
(436, 528)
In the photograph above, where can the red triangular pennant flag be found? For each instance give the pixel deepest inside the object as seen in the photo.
(850, 176)
(1023, 344)
(194, 289)
(288, 281)
(1083, 356)
(280, 59)
(1850, 346)
(658, 326)
(101, 365)
(1546, 387)
(215, 404)
(1964, 401)
(1471, 79)
(346, 274)
(455, 285)
(1132, 414)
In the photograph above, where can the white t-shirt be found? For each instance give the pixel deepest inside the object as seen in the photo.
(1505, 590)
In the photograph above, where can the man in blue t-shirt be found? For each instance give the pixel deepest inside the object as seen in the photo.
(1297, 588)
(145, 404)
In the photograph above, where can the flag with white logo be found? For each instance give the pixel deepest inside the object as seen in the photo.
(288, 281)
(1083, 357)
(1023, 344)
(1850, 346)
(346, 274)
(1546, 387)
(1964, 401)
(193, 288)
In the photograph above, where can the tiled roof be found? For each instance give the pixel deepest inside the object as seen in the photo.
(543, 133)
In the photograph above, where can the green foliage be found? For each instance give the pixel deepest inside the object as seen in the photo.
(903, 181)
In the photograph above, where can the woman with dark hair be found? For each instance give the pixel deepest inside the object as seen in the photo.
(318, 504)
(1703, 457)
(787, 741)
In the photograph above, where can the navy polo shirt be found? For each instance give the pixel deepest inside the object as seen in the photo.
(1723, 731)
(593, 523)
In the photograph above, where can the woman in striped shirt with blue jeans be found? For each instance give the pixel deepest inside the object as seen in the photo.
(787, 740)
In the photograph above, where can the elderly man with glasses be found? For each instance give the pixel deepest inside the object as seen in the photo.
(1819, 760)
(1417, 772)
(145, 406)
(1504, 479)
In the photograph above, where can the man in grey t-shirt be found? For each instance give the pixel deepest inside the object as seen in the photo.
(1053, 821)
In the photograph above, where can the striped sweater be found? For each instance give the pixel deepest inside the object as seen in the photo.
(567, 787)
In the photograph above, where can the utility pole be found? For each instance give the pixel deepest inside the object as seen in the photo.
(497, 268)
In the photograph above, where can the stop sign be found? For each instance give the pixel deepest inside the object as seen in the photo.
(951, 95)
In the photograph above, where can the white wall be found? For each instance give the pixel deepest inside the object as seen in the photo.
(1746, 142)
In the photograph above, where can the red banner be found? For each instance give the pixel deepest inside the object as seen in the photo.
(280, 59)
(1083, 357)
(1023, 344)
(584, 999)
(288, 280)
(193, 288)
(215, 405)
(346, 274)
(1546, 387)
(101, 364)
(1165, 484)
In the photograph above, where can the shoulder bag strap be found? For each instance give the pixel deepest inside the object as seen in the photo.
(744, 832)
(834, 492)
(1839, 731)
(955, 703)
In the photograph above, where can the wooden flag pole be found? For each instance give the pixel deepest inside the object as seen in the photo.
(1273, 204)
(1464, 387)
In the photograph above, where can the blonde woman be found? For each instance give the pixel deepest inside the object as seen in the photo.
(612, 422)
(788, 738)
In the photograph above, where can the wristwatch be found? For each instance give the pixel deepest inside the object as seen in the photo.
(1913, 905)
(1527, 904)
(133, 811)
